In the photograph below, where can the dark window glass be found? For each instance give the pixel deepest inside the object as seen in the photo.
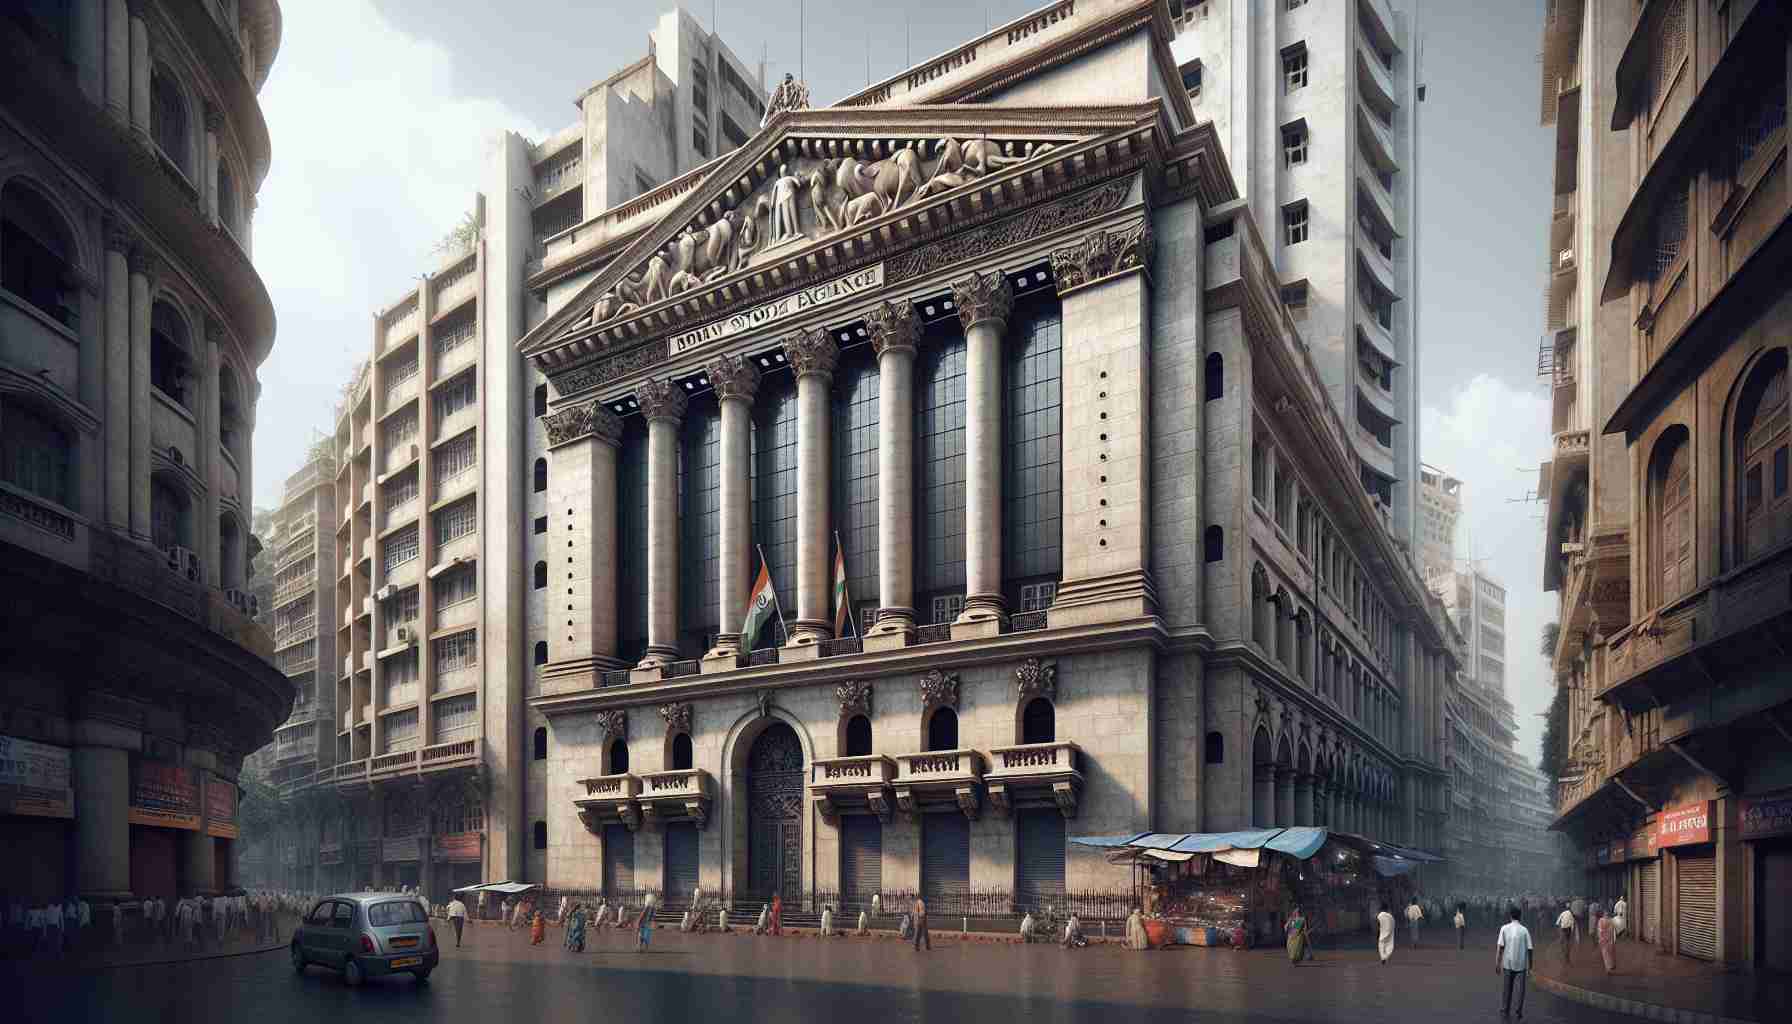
(855, 473)
(1779, 472)
(541, 652)
(35, 454)
(541, 575)
(541, 743)
(1216, 376)
(36, 254)
(774, 492)
(631, 554)
(858, 736)
(541, 399)
(939, 460)
(168, 120)
(1038, 722)
(541, 524)
(168, 352)
(681, 751)
(541, 475)
(1032, 491)
(699, 554)
(541, 835)
(1216, 748)
(1215, 543)
(618, 757)
(942, 730)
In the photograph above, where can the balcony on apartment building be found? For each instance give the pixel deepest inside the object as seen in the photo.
(454, 286)
(1035, 773)
(1376, 391)
(1375, 80)
(1376, 139)
(1375, 199)
(1374, 328)
(863, 782)
(1378, 262)
(939, 778)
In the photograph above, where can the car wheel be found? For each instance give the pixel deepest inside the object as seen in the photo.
(353, 974)
(298, 959)
(423, 975)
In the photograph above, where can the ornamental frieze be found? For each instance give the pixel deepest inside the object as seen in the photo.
(1102, 254)
(813, 351)
(613, 723)
(677, 716)
(854, 698)
(894, 327)
(574, 422)
(939, 689)
(983, 298)
(1035, 678)
(733, 376)
(661, 399)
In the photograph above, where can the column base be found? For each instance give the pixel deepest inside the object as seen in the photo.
(893, 630)
(984, 615)
(575, 674)
(721, 658)
(1111, 598)
(806, 632)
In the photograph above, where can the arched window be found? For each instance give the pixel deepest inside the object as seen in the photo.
(230, 410)
(541, 399)
(541, 652)
(1763, 433)
(37, 254)
(1216, 376)
(1670, 485)
(541, 743)
(1038, 722)
(229, 552)
(1216, 748)
(227, 205)
(541, 475)
(1214, 543)
(942, 730)
(168, 120)
(36, 454)
(170, 524)
(858, 737)
(681, 752)
(1261, 612)
(541, 575)
(541, 835)
(1284, 627)
(168, 348)
(618, 757)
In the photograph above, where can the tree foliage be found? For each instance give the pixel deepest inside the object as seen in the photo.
(461, 237)
(1552, 635)
(1553, 758)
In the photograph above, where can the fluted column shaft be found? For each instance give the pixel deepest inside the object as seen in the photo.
(895, 333)
(139, 393)
(214, 123)
(664, 406)
(812, 355)
(984, 302)
(736, 383)
(118, 60)
(139, 73)
(117, 333)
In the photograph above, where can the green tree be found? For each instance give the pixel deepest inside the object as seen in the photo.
(1552, 635)
(461, 237)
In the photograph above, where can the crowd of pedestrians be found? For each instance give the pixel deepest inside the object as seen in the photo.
(190, 924)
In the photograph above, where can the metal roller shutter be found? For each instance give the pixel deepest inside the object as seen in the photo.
(1773, 893)
(1038, 858)
(681, 862)
(1695, 892)
(1649, 895)
(861, 860)
(619, 860)
(945, 857)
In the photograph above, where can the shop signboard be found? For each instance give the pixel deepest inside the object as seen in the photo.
(164, 795)
(1684, 825)
(35, 779)
(402, 849)
(458, 847)
(220, 807)
(1764, 816)
(329, 854)
(1642, 845)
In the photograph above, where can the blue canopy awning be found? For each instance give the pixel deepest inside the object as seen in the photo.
(1296, 842)
(1213, 842)
(1299, 843)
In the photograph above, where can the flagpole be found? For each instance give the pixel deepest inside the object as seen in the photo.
(775, 602)
(846, 598)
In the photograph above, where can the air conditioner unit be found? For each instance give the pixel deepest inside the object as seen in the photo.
(404, 635)
(384, 592)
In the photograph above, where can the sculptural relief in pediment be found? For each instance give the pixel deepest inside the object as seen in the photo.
(804, 191)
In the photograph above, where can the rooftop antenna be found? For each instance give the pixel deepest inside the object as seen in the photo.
(908, 59)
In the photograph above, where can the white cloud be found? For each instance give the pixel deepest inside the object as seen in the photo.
(1492, 438)
(375, 158)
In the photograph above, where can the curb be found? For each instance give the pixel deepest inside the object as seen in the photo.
(190, 959)
(1616, 1004)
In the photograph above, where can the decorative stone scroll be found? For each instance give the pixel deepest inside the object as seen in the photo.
(854, 698)
(765, 703)
(1036, 678)
(614, 724)
(661, 399)
(577, 421)
(1103, 253)
(813, 351)
(733, 376)
(894, 328)
(677, 716)
(939, 689)
(983, 297)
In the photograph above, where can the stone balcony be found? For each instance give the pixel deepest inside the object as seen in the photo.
(610, 798)
(1035, 773)
(392, 764)
(438, 757)
(939, 778)
(850, 783)
(683, 794)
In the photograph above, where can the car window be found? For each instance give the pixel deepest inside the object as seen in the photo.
(345, 915)
(320, 914)
(381, 915)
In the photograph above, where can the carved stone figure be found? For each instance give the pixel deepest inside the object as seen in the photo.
(939, 689)
(829, 214)
(747, 239)
(785, 222)
(865, 207)
(1036, 678)
(854, 698)
(789, 95)
(718, 253)
(659, 277)
(614, 723)
(677, 716)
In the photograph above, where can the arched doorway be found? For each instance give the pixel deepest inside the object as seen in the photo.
(774, 813)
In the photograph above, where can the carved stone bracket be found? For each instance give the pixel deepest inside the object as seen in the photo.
(983, 297)
(939, 689)
(812, 352)
(827, 808)
(698, 809)
(905, 802)
(677, 716)
(733, 376)
(879, 801)
(575, 422)
(1103, 253)
(614, 724)
(765, 703)
(968, 801)
(590, 820)
(1066, 796)
(630, 814)
(998, 800)
(650, 815)
(854, 698)
(1036, 678)
(661, 399)
(894, 328)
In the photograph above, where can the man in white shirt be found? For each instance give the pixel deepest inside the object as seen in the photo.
(1414, 914)
(1384, 940)
(1565, 927)
(1621, 915)
(457, 916)
(1512, 958)
(1461, 922)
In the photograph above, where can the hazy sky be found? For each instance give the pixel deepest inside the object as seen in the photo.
(382, 111)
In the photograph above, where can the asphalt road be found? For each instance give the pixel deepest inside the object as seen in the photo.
(498, 977)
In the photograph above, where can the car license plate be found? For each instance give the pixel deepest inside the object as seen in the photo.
(407, 961)
(404, 942)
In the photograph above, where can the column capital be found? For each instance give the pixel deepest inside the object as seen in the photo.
(983, 297)
(661, 400)
(214, 117)
(120, 237)
(578, 421)
(733, 376)
(141, 259)
(894, 328)
(1103, 253)
(813, 351)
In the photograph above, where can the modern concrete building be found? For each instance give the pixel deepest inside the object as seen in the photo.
(1317, 105)
(1669, 512)
(1009, 334)
(302, 611)
(1440, 506)
(132, 323)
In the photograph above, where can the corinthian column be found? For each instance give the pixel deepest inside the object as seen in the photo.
(812, 354)
(139, 69)
(984, 302)
(736, 383)
(141, 264)
(663, 404)
(895, 336)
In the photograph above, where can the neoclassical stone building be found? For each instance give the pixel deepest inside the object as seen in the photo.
(131, 325)
(1002, 336)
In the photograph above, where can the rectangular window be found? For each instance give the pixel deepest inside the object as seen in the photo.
(455, 586)
(854, 477)
(1294, 223)
(1037, 597)
(940, 460)
(541, 525)
(1294, 144)
(1259, 473)
(457, 652)
(400, 732)
(1294, 67)
(456, 521)
(774, 492)
(459, 393)
(947, 607)
(700, 136)
(401, 372)
(34, 453)
(402, 607)
(400, 429)
(449, 337)
(732, 132)
(1191, 78)
(398, 679)
(1670, 232)
(401, 489)
(398, 549)
(700, 525)
(456, 718)
(1032, 489)
(1292, 4)
(1779, 472)
(454, 458)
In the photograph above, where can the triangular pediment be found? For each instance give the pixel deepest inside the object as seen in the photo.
(819, 191)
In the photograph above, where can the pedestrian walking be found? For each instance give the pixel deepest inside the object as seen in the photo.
(457, 917)
(827, 920)
(1607, 933)
(1512, 959)
(921, 936)
(1073, 933)
(1297, 937)
(538, 927)
(1620, 916)
(644, 928)
(1579, 906)
(1461, 923)
(1414, 914)
(565, 908)
(482, 906)
(1384, 942)
(777, 924)
(1565, 927)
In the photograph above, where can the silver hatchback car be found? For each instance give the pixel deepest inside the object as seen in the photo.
(365, 935)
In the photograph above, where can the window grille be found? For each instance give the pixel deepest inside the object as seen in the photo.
(456, 652)
(398, 679)
(400, 429)
(456, 586)
(449, 338)
(1670, 232)
(402, 489)
(457, 718)
(456, 521)
(1294, 67)
(1669, 48)
(456, 395)
(1294, 145)
(1294, 223)
(400, 548)
(454, 458)
(401, 731)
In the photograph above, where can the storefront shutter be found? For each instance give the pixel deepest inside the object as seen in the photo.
(681, 862)
(1039, 859)
(1773, 893)
(619, 860)
(1696, 900)
(945, 857)
(1649, 896)
(861, 860)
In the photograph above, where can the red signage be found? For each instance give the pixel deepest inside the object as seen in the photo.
(163, 795)
(220, 807)
(458, 846)
(1642, 845)
(1684, 825)
(1766, 816)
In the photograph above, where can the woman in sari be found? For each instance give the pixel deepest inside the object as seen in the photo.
(538, 929)
(1608, 941)
(575, 929)
(644, 928)
(777, 924)
(1297, 937)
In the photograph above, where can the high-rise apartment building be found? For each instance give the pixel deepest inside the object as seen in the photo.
(301, 616)
(1317, 104)
(1440, 506)
(1477, 603)
(1669, 536)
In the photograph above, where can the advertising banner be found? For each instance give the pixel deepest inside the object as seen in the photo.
(403, 849)
(35, 779)
(1764, 816)
(220, 807)
(1684, 825)
(164, 795)
(458, 847)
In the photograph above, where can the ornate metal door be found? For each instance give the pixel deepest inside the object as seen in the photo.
(774, 813)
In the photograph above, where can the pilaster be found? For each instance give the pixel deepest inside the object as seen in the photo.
(583, 441)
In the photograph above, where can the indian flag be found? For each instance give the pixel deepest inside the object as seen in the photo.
(842, 599)
(762, 604)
